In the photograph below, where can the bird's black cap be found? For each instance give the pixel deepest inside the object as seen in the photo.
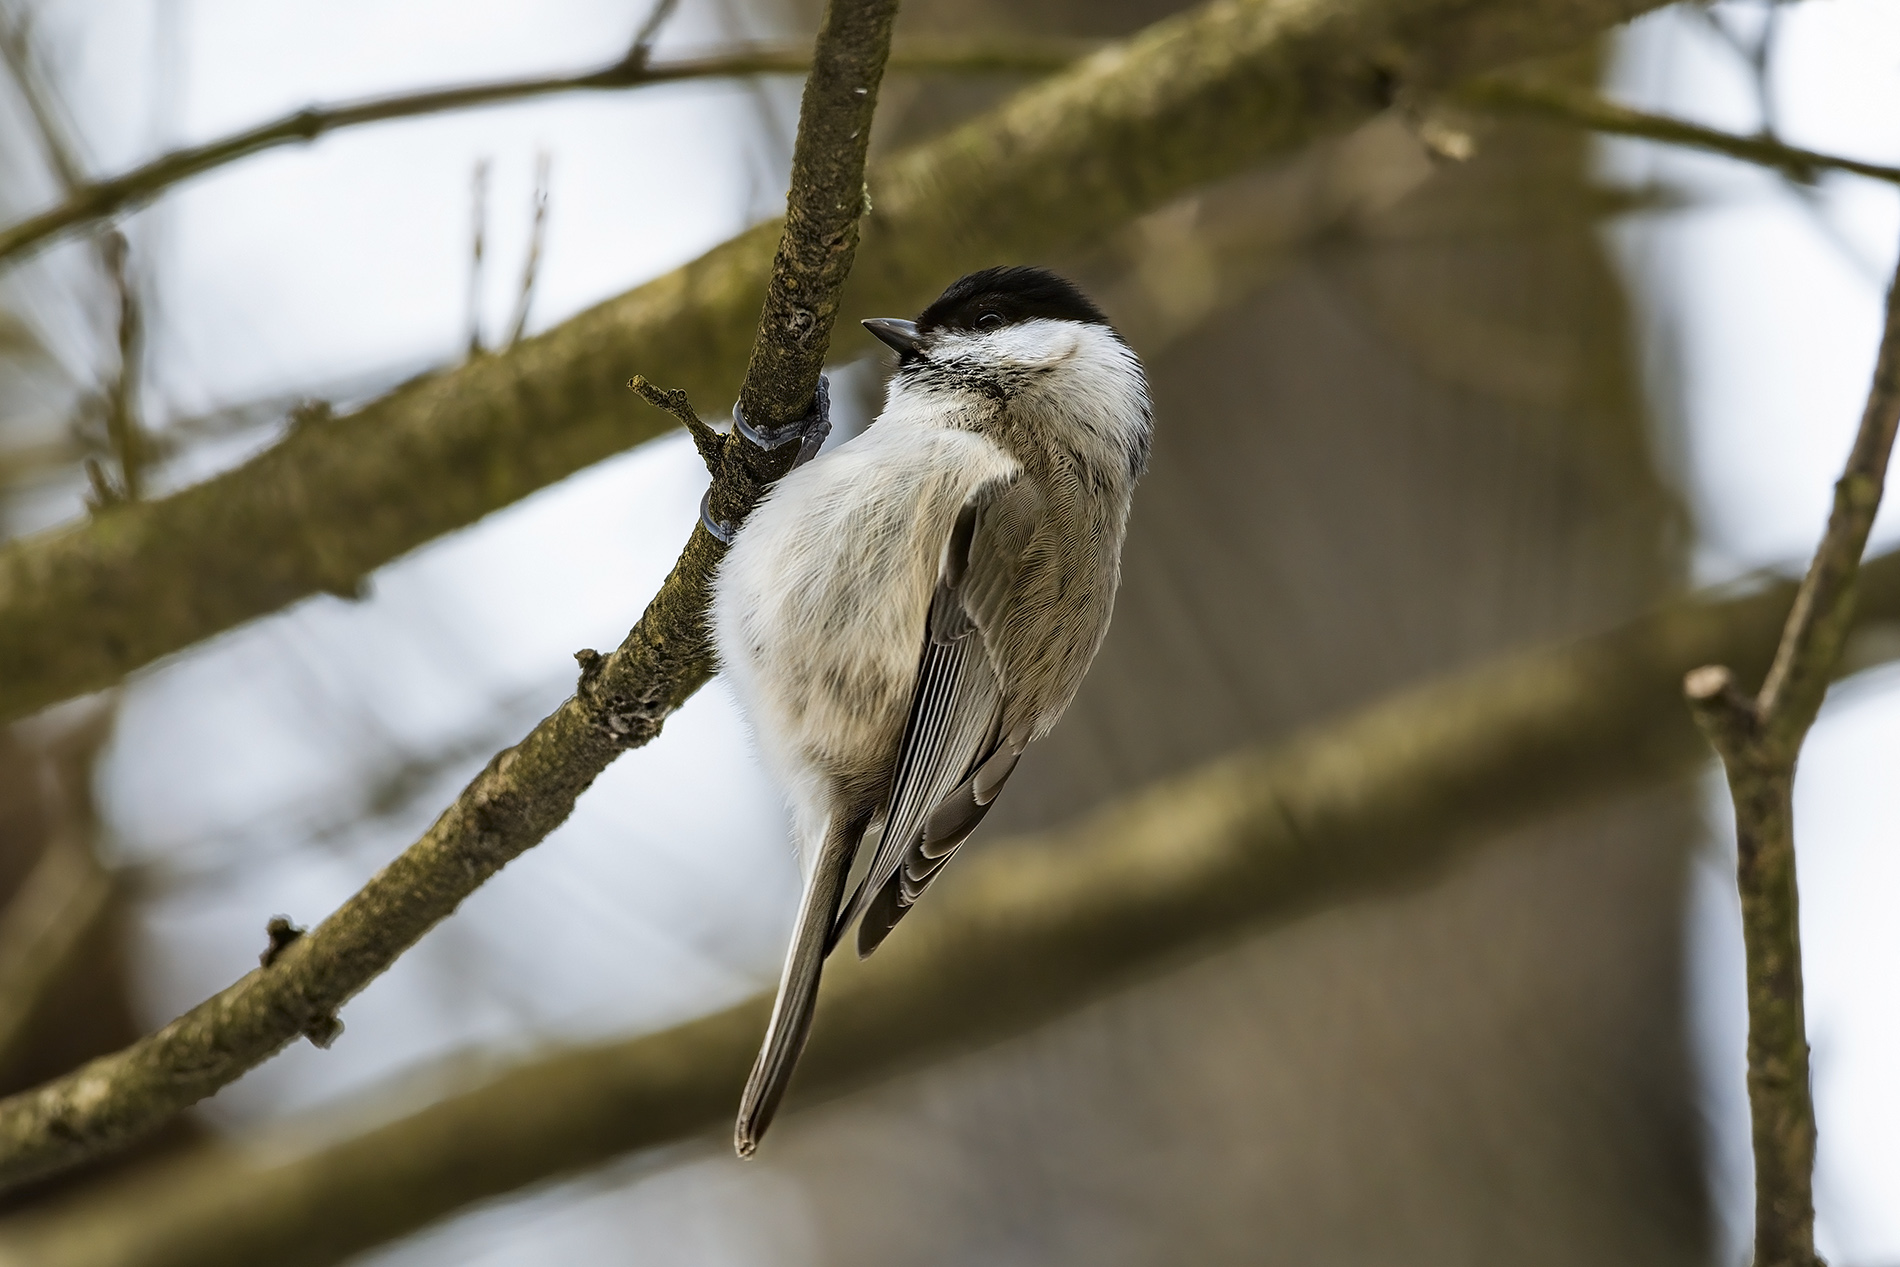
(1012, 292)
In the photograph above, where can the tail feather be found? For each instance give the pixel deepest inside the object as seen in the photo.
(798, 988)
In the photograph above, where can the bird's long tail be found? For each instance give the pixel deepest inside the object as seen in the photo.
(798, 987)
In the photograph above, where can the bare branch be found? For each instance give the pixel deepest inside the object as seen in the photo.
(1019, 932)
(1759, 739)
(1197, 97)
(1512, 95)
(89, 203)
(531, 265)
(123, 429)
(622, 701)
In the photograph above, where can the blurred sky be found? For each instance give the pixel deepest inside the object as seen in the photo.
(237, 781)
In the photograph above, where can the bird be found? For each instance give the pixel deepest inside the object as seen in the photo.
(902, 615)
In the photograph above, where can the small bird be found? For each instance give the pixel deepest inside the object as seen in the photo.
(902, 616)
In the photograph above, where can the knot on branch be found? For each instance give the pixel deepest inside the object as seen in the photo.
(281, 933)
(310, 413)
(323, 1030)
(1727, 716)
(590, 661)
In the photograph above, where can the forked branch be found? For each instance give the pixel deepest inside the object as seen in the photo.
(1759, 738)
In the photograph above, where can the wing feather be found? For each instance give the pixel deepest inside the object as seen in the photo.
(953, 757)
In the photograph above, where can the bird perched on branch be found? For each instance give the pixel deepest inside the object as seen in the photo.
(904, 615)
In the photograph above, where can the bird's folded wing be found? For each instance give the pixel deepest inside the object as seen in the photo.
(953, 740)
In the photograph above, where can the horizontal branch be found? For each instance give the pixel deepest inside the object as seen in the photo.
(91, 202)
(1511, 95)
(1195, 98)
(1014, 933)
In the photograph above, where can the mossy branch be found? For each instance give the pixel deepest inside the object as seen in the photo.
(525, 792)
(1192, 99)
(1014, 934)
(1759, 738)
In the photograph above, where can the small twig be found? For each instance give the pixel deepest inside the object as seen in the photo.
(478, 233)
(1510, 95)
(99, 199)
(642, 48)
(55, 136)
(1759, 740)
(710, 443)
(537, 236)
(526, 791)
(123, 429)
(120, 395)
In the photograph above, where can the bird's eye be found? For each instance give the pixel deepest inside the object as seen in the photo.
(990, 321)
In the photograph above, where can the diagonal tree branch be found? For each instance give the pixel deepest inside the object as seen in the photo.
(526, 791)
(1196, 97)
(1018, 932)
(1759, 739)
(89, 202)
(1517, 96)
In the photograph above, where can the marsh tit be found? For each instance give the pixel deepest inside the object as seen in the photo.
(901, 617)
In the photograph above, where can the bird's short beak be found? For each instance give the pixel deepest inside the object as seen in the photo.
(897, 333)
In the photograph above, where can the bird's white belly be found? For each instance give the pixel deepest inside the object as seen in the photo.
(818, 610)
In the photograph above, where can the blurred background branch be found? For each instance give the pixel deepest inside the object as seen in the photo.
(1021, 931)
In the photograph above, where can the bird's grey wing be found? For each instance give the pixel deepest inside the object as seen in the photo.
(954, 756)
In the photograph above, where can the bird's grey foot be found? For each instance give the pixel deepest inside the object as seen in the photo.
(810, 431)
(718, 527)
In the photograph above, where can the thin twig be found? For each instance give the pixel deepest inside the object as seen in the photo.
(537, 238)
(621, 702)
(55, 137)
(95, 201)
(1759, 740)
(123, 430)
(1017, 934)
(1511, 95)
(478, 235)
(120, 395)
(643, 39)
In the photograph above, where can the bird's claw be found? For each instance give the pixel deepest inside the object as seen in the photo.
(719, 528)
(810, 431)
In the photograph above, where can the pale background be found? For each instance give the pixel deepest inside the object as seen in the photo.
(237, 778)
